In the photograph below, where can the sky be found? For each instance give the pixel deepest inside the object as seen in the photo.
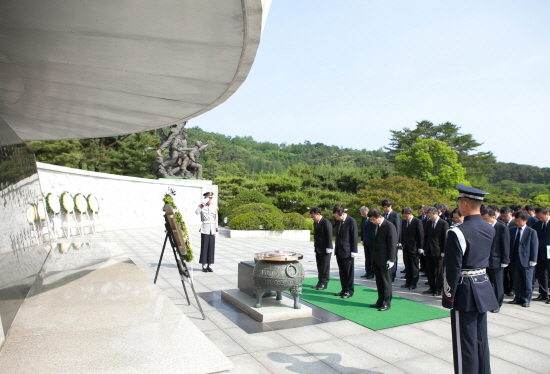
(347, 72)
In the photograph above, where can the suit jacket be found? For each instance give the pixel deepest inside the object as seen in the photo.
(366, 232)
(500, 249)
(394, 218)
(532, 221)
(544, 238)
(412, 237)
(434, 239)
(528, 245)
(322, 235)
(384, 243)
(346, 237)
(511, 224)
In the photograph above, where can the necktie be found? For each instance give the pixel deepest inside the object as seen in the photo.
(516, 242)
(543, 227)
(386, 215)
(376, 230)
(408, 224)
(433, 225)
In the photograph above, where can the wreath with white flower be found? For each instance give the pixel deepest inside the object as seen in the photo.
(31, 213)
(93, 204)
(188, 257)
(80, 203)
(67, 202)
(52, 203)
(40, 210)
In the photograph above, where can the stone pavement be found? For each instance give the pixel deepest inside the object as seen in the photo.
(519, 337)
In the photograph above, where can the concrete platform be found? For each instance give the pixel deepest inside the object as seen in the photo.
(271, 310)
(94, 311)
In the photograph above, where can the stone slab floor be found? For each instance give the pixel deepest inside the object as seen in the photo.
(325, 343)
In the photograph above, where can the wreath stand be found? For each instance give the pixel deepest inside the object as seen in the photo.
(173, 233)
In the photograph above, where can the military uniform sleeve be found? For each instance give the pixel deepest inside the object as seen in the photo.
(452, 263)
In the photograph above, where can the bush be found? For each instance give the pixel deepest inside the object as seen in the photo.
(295, 221)
(246, 197)
(254, 207)
(253, 220)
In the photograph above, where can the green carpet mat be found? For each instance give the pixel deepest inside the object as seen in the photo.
(356, 308)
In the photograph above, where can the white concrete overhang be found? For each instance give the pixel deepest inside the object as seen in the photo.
(80, 69)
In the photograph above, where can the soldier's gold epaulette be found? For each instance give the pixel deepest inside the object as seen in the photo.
(217, 208)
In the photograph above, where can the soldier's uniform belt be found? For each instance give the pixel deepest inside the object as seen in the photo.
(472, 272)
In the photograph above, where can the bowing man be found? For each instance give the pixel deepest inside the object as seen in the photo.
(543, 265)
(345, 249)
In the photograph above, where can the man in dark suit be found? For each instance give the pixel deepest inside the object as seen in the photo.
(346, 249)
(366, 240)
(543, 262)
(322, 242)
(424, 218)
(500, 255)
(384, 245)
(434, 248)
(392, 217)
(506, 217)
(468, 292)
(530, 209)
(523, 258)
(412, 238)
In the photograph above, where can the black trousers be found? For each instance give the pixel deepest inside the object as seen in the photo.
(208, 245)
(496, 276)
(543, 269)
(422, 263)
(523, 280)
(383, 284)
(323, 267)
(411, 261)
(470, 342)
(368, 260)
(508, 284)
(434, 271)
(394, 268)
(345, 267)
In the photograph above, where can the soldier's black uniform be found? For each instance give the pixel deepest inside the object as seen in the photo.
(467, 290)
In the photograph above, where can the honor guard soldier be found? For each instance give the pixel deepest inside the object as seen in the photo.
(209, 230)
(467, 290)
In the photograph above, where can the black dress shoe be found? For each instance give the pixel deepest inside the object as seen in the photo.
(548, 302)
(509, 293)
(525, 305)
(315, 287)
(427, 283)
(339, 294)
(437, 293)
(204, 270)
(346, 295)
(495, 310)
(383, 308)
(412, 287)
(209, 269)
(429, 291)
(402, 271)
(515, 302)
(370, 277)
(321, 287)
(375, 306)
(364, 276)
(540, 298)
(405, 285)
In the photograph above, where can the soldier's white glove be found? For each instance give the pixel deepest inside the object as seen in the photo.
(503, 265)
(532, 263)
(353, 254)
(328, 250)
(420, 251)
(442, 255)
(389, 264)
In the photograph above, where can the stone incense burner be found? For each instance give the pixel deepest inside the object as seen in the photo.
(278, 271)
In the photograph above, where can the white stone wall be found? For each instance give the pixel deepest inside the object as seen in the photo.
(127, 202)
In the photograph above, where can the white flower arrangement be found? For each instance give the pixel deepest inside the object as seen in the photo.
(67, 202)
(52, 203)
(80, 203)
(41, 210)
(31, 213)
(93, 204)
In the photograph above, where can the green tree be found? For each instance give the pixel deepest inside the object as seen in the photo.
(432, 161)
(479, 163)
